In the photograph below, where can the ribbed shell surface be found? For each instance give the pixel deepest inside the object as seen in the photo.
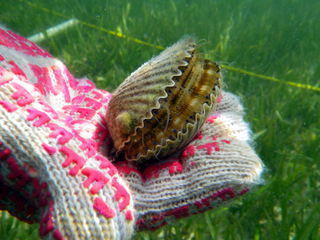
(161, 106)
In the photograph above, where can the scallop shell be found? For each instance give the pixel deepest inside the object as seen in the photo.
(161, 106)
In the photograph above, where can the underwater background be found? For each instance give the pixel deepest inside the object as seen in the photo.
(270, 54)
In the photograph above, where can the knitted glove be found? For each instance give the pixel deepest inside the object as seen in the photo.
(53, 164)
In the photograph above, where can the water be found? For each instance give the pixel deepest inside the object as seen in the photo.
(278, 40)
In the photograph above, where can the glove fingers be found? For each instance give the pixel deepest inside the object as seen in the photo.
(217, 166)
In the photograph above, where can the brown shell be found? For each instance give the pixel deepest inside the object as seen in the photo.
(161, 106)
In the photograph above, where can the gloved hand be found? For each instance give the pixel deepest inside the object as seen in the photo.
(53, 164)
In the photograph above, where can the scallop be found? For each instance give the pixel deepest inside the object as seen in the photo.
(161, 106)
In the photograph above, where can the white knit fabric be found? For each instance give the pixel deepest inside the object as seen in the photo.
(53, 167)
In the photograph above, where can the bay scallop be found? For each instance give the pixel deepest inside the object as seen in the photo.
(161, 106)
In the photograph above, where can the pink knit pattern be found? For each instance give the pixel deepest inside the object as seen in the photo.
(53, 164)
